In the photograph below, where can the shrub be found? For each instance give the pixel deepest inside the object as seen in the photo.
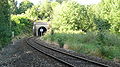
(5, 31)
(21, 24)
(88, 43)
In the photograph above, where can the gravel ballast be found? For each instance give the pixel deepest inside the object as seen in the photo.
(89, 57)
(20, 54)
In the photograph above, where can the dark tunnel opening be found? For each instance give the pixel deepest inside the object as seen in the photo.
(41, 31)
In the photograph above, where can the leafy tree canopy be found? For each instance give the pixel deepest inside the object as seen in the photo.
(42, 12)
(24, 5)
(13, 6)
(71, 16)
(4, 22)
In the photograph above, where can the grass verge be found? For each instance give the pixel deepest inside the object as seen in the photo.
(88, 43)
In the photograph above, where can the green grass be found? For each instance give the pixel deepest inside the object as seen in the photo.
(88, 43)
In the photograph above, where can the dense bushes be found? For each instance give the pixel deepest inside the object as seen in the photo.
(110, 11)
(4, 22)
(101, 19)
(21, 24)
(42, 12)
(18, 24)
(71, 16)
(88, 43)
(24, 5)
(73, 23)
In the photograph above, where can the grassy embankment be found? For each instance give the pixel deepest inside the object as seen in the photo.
(88, 43)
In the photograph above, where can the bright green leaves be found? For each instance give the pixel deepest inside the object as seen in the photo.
(110, 11)
(71, 16)
(21, 24)
(42, 12)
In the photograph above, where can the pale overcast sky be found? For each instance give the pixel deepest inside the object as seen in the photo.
(82, 2)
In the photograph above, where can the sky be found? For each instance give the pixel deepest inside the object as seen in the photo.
(82, 2)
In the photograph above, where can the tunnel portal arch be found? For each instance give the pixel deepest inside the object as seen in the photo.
(37, 26)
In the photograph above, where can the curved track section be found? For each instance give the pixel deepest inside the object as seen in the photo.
(36, 47)
(63, 57)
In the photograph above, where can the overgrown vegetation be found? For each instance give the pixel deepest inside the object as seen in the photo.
(21, 24)
(98, 27)
(89, 43)
(12, 25)
(91, 29)
(4, 22)
(24, 5)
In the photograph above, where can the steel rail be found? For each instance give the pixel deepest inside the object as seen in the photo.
(91, 61)
(33, 46)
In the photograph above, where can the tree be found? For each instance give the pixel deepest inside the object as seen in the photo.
(13, 6)
(60, 1)
(72, 16)
(45, 11)
(101, 24)
(32, 12)
(21, 24)
(4, 22)
(110, 11)
(42, 12)
(24, 6)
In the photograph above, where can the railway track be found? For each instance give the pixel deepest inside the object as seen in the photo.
(63, 57)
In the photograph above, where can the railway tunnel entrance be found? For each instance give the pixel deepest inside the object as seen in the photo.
(39, 28)
(41, 31)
